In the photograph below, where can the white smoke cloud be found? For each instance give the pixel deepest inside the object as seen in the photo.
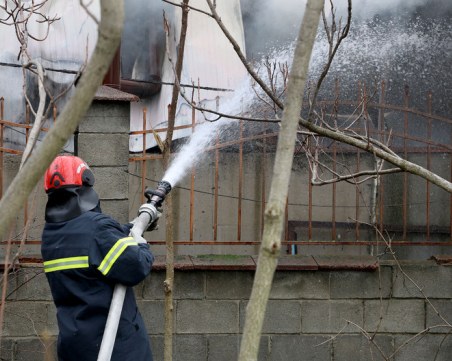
(270, 23)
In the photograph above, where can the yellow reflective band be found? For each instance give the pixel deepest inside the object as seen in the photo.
(66, 263)
(114, 253)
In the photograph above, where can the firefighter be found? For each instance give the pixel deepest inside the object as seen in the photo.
(85, 253)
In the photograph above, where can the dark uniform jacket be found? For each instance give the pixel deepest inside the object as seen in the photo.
(83, 260)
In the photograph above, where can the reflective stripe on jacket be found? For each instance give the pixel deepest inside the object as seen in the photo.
(83, 260)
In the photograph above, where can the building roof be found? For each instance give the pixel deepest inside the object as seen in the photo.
(111, 94)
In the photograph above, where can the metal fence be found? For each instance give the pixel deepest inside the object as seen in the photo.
(411, 210)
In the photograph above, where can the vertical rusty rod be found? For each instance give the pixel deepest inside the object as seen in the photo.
(215, 208)
(333, 210)
(192, 183)
(264, 182)
(27, 134)
(357, 196)
(239, 213)
(406, 99)
(143, 162)
(2, 109)
(309, 204)
(429, 138)
(286, 220)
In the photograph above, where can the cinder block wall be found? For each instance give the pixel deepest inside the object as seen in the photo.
(103, 142)
(311, 315)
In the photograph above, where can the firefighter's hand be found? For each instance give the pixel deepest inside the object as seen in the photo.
(154, 213)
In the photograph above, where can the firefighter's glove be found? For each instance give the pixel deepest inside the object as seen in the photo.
(154, 213)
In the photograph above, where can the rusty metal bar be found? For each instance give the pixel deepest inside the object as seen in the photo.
(239, 205)
(253, 243)
(286, 220)
(2, 112)
(429, 136)
(382, 139)
(309, 201)
(18, 125)
(333, 211)
(390, 107)
(357, 197)
(264, 182)
(192, 183)
(159, 130)
(406, 101)
(27, 134)
(215, 210)
(334, 187)
(143, 162)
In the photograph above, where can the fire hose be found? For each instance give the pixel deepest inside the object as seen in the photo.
(144, 219)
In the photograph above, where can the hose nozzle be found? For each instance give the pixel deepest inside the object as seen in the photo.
(157, 196)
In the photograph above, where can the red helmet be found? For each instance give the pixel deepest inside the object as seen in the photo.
(67, 171)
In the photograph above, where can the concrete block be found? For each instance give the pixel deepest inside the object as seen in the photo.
(12, 283)
(227, 347)
(331, 316)
(190, 348)
(229, 285)
(280, 317)
(348, 285)
(109, 109)
(207, 317)
(29, 318)
(300, 285)
(153, 313)
(32, 349)
(104, 149)
(106, 118)
(223, 347)
(7, 348)
(359, 348)
(425, 347)
(187, 285)
(300, 348)
(118, 209)
(444, 308)
(111, 182)
(153, 286)
(30, 284)
(396, 315)
(434, 280)
(157, 347)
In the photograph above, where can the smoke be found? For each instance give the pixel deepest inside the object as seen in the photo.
(273, 23)
(143, 35)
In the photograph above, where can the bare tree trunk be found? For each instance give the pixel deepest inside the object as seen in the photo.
(110, 29)
(169, 280)
(274, 212)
